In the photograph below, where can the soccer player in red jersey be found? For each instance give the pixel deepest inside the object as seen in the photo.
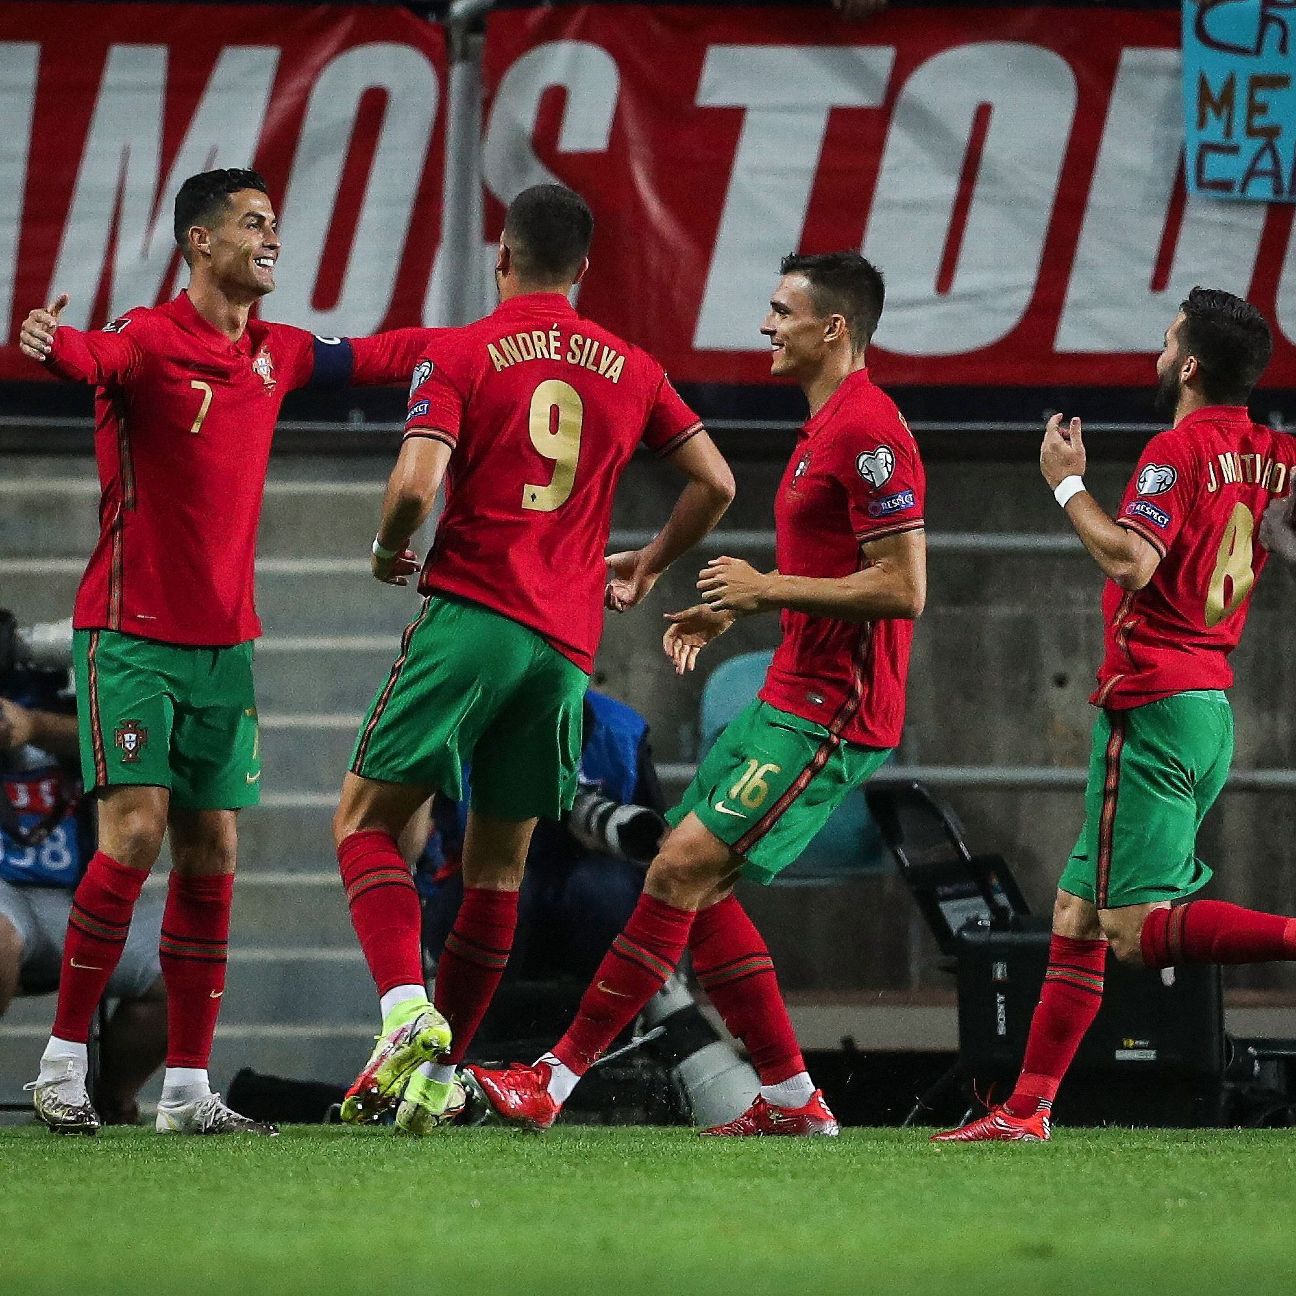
(850, 580)
(1181, 558)
(187, 395)
(531, 415)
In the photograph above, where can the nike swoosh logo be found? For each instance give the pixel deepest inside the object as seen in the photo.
(216, 994)
(724, 809)
(86, 967)
(252, 778)
(607, 989)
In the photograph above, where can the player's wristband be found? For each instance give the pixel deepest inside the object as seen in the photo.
(1066, 488)
(385, 554)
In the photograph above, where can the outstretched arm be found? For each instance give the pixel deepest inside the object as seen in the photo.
(99, 358)
(701, 504)
(1123, 555)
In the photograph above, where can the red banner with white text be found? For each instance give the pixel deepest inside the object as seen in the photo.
(107, 108)
(1016, 173)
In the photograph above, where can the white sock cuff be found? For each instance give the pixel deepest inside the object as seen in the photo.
(438, 1072)
(795, 1091)
(562, 1079)
(184, 1084)
(398, 995)
(54, 1061)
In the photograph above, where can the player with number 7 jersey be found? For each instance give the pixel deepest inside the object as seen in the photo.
(531, 415)
(187, 395)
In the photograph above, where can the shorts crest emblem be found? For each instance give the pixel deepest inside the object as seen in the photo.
(131, 738)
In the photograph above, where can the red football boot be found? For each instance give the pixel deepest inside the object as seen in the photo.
(519, 1095)
(999, 1126)
(763, 1118)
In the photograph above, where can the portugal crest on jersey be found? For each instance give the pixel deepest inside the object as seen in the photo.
(263, 367)
(131, 738)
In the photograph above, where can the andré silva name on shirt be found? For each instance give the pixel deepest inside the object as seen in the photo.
(557, 344)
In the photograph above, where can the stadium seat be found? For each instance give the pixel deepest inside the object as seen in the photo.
(949, 884)
(850, 843)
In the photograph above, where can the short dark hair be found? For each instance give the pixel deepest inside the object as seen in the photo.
(843, 283)
(1230, 340)
(203, 194)
(548, 229)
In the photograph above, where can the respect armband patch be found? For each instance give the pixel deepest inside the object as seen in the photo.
(1141, 508)
(892, 505)
(418, 410)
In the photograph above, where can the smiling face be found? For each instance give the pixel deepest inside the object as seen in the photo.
(800, 336)
(241, 245)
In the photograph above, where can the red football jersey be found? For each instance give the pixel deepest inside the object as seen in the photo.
(1196, 496)
(183, 423)
(543, 409)
(855, 476)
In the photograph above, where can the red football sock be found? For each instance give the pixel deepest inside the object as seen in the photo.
(735, 969)
(473, 961)
(1213, 931)
(632, 971)
(194, 954)
(96, 934)
(1069, 1001)
(384, 908)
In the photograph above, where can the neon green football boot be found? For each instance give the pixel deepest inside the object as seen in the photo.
(412, 1033)
(426, 1105)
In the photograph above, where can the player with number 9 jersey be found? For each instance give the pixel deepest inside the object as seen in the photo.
(543, 410)
(530, 417)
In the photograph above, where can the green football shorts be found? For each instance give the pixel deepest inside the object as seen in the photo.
(1154, 772)
(474, 688)
(168, 715)
(770, 782)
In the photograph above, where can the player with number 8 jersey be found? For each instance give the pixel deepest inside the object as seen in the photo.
(531, 416)
(1182, 558)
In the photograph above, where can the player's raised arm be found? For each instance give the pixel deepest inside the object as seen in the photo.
(701, 504)
(100, 358)
(1123, 550)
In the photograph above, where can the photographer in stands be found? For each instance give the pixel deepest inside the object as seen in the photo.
(46, 837)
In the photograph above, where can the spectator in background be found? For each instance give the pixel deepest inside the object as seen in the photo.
(46, 838)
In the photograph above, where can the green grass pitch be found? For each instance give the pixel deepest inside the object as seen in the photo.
(631, 1211)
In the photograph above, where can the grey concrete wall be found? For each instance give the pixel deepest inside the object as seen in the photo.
(1003, 663)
